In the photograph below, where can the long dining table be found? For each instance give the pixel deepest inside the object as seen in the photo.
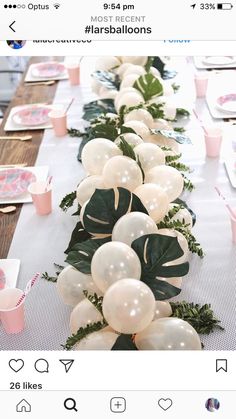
(39, 242)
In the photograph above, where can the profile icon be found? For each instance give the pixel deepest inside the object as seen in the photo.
(212, 405)
(16, 44)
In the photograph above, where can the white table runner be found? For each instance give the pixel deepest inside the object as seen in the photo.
(40, 241)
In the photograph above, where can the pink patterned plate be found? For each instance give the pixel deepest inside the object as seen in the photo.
(14, 182)
(32, 116)
(227, 103)
(48, 70)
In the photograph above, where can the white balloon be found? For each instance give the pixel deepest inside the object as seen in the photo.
(122, 69)
(95, 86)
(154, 199)
(105, 93)
(130, 138)
(182, 215)
(141, 115)
(168, 334)
(163, 141)
(106, 63)
(97, 341)
(161, 124)
(132, 226)
(96, 153)
(168, 107)
(112, 262)
(129, 80)
(167, 178)
(156, 73)
(167, 89)
(71, 285)
(135, 69)
(162, 309)
(122, 171)
(140, 60)
(84, 313)
(150, 155)
(123, 92)
(128, 306)
(87, 188)
(182, 242)
(139, 128)
(129, 100)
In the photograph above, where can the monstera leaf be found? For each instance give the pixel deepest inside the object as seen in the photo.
(97, 108)
(174, 135)
(124, 343)
(107, 79)
(106, 206)
(81, 255)
(149, 86)
(79, 235)
(154, 251)
(108, 131)
(162, 290)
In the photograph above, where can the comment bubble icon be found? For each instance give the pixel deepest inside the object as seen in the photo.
(41, 365)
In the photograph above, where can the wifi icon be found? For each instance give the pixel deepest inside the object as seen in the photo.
(56, 5)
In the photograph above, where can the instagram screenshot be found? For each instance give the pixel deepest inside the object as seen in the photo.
(117, 210)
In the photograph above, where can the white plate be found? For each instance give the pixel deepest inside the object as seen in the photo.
(11, 269)
(226, 60)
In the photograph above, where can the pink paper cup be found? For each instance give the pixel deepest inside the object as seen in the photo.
(74, 74)
(201, 83)
(213, 140)
(12, 317)
(42, 199)
(233, 228)
(59, 122)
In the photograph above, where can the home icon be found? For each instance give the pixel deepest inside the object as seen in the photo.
(23, 406)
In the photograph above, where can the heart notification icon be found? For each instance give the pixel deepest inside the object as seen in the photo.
(165, 404)
(16, 364)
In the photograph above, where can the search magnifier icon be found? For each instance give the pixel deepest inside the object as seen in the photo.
(70, 404)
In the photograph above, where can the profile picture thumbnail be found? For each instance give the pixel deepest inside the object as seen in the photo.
(16, 44)
(212, 405)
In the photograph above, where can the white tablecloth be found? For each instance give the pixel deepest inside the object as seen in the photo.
(40, 241)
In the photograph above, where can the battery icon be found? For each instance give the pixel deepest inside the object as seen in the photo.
(224, 6)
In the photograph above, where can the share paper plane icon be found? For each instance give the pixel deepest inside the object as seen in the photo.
(67, 363)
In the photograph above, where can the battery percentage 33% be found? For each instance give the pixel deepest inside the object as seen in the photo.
(208, 6)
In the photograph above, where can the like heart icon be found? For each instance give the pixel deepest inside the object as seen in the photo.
(165, 404)
(16, 364)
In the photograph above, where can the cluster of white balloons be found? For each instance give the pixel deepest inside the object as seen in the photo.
(129, 305)
(106, 168)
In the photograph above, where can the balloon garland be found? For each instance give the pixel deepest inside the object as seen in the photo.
(129, 251)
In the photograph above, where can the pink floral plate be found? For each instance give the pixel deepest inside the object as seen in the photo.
(227, 103)
(2, 279)
(48, 70)
(14, 182)
(32, 116)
